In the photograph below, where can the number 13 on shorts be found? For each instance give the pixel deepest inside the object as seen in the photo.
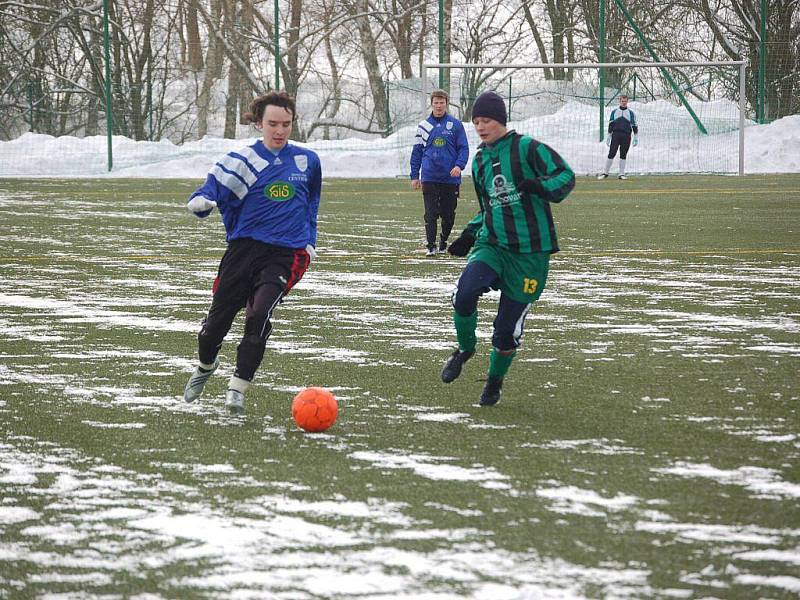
(529, 285)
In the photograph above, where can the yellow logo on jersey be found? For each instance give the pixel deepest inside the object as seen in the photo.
(279, 191)
(439, 142)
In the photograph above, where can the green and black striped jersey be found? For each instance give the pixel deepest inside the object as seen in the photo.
(516, 179)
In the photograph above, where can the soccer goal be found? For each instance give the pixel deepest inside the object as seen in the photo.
(691, 115)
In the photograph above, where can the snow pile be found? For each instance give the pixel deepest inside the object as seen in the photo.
(669, 143)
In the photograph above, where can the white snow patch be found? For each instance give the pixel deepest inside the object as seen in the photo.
(574, 500)
(431, 467)
(16, 514)
(765, 483)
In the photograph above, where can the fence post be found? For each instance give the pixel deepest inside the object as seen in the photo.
(30, 103)
(742, 94)
(602, 77)
(761, 113)
(109, 102)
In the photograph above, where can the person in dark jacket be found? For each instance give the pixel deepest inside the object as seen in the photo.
(621, 124)
(268, 195)
(440, 153)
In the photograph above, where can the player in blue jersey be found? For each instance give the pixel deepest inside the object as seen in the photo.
(621, 124)
(440, 153)
(268, 196)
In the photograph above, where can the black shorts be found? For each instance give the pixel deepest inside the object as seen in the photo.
(248, 263)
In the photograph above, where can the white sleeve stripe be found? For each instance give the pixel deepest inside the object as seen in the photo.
(238, 165)
(425, 125)
(254, 159)
(422, 135)
(230, 181)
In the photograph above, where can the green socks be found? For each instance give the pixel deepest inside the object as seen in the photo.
(499, 363)
(465, 331)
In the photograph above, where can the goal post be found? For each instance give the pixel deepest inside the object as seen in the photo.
(694, 114)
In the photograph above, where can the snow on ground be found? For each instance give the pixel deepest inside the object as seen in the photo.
(669, 143)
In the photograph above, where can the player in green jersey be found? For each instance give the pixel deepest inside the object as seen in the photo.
(509, 241)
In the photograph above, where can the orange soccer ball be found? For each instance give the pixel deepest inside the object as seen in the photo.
(314, 409)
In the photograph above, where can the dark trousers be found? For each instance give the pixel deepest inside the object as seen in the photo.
(255, 276)
(477, 279)
(440, 200)
(622, 141)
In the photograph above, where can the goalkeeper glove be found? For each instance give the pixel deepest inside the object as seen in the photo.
(530, 186)
(462, 245)
(635, 140)
(201, 206)
(608, 140)
(312, 253)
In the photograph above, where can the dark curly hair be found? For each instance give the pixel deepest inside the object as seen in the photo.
(259, 104)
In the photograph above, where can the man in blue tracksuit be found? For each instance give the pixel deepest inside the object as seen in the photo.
(440, 152)
(268, 196)
(621, 124)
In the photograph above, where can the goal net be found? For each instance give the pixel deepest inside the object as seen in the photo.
(690, 115)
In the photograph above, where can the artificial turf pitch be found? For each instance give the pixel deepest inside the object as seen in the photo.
(646, 444)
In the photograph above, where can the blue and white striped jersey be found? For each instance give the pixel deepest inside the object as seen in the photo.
(267, 197)
(622, 120)
(439, 145)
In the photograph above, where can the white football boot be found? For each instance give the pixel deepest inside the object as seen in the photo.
(234, 401)
(234, 398)
(194, 387)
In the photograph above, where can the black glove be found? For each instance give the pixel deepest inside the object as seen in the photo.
(461, 246)
(530, 186)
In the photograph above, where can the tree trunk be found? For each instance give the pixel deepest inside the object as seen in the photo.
(402, 39)
(783, 61)
(194, 46)
(95, 83)
(141, 82)
(537, 37)
(423, 29)
(370, 55)
(554, 12)
(291, 76)
(119, 121)
(214, 59)
(232, 99)
(571, 41)
(336, 93)
(244, 92)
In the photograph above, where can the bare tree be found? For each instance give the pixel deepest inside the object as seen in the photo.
(399, 19)
(494, 38)
(194, 46)
(736, 27)
(214, 62)
(176, 63)
(561, 47)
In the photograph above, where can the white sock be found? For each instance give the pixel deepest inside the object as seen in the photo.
(608, 165)
(206, 367)
(622, 162)
(240, 385)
